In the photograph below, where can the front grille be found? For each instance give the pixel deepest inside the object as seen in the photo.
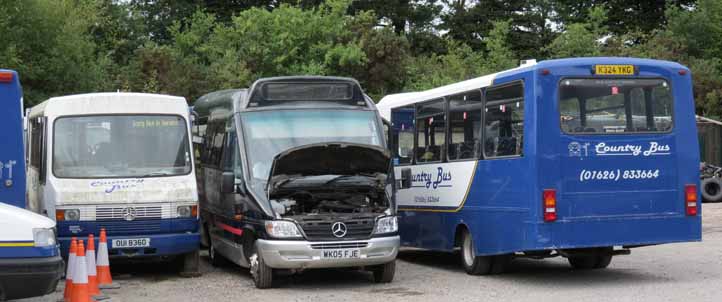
(140, 212)
(122, 227)
(350, 245)
(358, 228)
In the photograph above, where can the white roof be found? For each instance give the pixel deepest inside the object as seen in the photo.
(17, 224)
(402, 99)
(111, 103)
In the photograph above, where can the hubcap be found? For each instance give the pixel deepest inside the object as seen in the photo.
(254, 265)
(468, 251)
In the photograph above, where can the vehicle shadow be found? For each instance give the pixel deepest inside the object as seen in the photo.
(542, 273)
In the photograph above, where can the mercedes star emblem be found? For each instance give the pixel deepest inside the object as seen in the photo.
(339, 229)
(129, 214)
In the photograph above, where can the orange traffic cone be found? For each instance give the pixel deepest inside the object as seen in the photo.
(80, 279)
(103, 269)
(92, 270)
(70, 269)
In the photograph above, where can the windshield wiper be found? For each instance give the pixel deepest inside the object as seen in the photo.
(157, 173)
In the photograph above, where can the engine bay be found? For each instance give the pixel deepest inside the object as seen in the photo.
(325, 202)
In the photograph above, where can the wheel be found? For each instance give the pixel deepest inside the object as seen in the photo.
(215, 258)
(711, 189)
(480, 265)
(262, 274)
(384, 273)
(190, 265)
(598, 259)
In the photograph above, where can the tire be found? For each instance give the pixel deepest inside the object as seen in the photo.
(480, 265)
(599, 259)
(711, 189)
(189, 265)
(261, 273)
(215, 258)
(384, 273)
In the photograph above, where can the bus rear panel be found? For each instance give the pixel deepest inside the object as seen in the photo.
(12, 165)
(619, 150)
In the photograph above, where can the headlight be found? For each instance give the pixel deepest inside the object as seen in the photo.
(386, 224)
(184, 211)
(44, 237)
(282, 229)
(68, 214)
(187, 211)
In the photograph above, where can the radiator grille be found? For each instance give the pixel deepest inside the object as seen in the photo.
(122, 227)
(349, 245)
(140, 212)
(359, 228)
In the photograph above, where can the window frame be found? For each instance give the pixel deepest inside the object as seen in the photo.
(442, 157)
(559, 99)
(52, 152)
(482, 104)
(394, 145)
(485, 100)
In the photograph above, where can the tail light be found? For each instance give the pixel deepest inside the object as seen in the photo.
(6, 77)
(690, 200)
(550, 205)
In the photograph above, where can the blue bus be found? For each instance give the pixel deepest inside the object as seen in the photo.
(583, 158)
(12, 164)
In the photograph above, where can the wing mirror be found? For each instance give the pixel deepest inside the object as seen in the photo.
(405, 178)
(228, 183)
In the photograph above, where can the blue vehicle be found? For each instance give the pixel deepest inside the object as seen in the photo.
(12, 165)
(583, 158)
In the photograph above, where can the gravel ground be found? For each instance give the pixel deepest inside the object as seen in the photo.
(673, 272)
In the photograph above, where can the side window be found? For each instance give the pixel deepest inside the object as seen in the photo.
(504, 120)
(231, 155)
(430, 131)
(464, 126)
(402, 120)
(37, 141)
(214, 142)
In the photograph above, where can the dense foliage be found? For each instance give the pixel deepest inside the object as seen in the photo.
(193, 47)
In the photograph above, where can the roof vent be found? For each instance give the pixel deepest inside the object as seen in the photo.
(527, 62)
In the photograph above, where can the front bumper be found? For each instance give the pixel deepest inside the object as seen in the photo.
(160, 245)
(289, 254)
(29, 277)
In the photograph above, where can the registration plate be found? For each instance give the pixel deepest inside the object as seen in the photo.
(126, 243)
(614, 69)
(341, 254)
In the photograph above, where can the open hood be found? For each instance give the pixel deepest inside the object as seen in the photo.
(328, 159)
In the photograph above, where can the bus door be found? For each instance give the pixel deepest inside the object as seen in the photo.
(12, 164)
(618, 151)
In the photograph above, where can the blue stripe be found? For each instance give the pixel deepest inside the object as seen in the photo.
(28, 252)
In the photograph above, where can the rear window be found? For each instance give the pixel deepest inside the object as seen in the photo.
(608, 106)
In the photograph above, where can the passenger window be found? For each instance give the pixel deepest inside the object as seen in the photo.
(214, 142)
(430, 131)
(402, 120)
(504, 120)
(231, 155)
(465, 126)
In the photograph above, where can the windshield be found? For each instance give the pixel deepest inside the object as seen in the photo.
(610, 106)
(120, 146)
(268, 133)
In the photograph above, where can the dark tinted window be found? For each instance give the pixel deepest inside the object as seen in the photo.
(504, 120)
(615, 105)
(464, 125)
(430, 131)
(402, 120)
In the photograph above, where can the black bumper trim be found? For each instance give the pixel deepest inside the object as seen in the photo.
(29, 277)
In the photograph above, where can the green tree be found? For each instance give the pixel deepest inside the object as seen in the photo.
(50, 44)
(581, 39)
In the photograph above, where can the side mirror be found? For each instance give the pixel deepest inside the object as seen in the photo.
(228, 183)
(405, 178)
